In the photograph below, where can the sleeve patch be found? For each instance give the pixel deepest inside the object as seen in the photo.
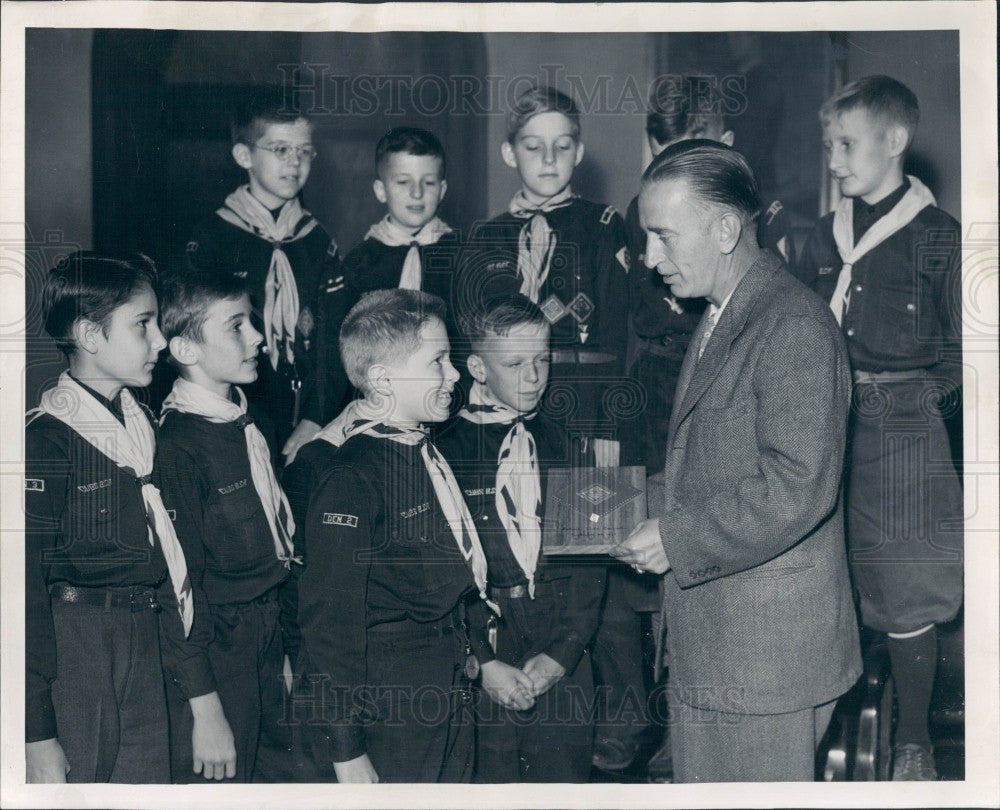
(623, 258)
(332, 249)
(337, 519)
(609, 212)
(825, 271)
(773, 211)
(172, 514)
(34, 485)
(192, 247)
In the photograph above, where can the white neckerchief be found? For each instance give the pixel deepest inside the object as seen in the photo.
(393, 234)
(518, 482)
(446, 490)
(916, 198)
(281, 293)
(132, 447)
(536, 240)
(188, 397)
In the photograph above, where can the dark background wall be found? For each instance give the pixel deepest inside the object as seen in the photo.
(127, 131)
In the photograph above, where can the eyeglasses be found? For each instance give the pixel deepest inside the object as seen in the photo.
(284, 151)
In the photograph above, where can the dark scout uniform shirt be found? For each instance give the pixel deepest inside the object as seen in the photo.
(203, 472)
(905, 306)
(313, 461)
(472, 451)
(85, 525)
(373, 265)
(584, 297)
(380, 552)
(219, 246)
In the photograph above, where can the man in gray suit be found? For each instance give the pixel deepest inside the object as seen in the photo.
(747, 521)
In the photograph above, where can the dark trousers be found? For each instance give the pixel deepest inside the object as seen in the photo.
(246, 657)
(553, 740)
(421, 727)
(109, 695)
(618, 654)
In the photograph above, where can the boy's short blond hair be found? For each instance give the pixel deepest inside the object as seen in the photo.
(540, 100)
(885, 99)
(384, 327)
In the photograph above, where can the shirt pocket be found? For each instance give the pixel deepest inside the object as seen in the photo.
(418, 551)
(241, 535)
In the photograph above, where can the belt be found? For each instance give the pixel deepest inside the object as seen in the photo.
(581, 358)
(454, 622)
(521, 591)
(875, 377)
(136, 599)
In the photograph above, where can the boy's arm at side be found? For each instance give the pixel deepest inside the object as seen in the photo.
(186, 661)
(331, 277)
(612, 284)
(46, 468)
(577, 621)
(946, 285)
(332, 605)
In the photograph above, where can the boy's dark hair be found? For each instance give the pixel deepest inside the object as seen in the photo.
(887, 100)
(716, 174)
(501, 314)
(683, 107)
(265, 106)
(538, 100)
(185, 297)
(383, 327)
(409, 141)
(91, 285)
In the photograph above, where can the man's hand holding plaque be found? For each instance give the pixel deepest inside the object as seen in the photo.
(643, 549)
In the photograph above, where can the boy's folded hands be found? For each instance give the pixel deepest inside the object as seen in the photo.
(544, 671)
(507, 685)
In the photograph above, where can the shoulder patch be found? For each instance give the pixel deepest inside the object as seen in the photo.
(623, 258)
(772, 211)
(34, 485)
(338, 519)
(609, 212)
(172, 514)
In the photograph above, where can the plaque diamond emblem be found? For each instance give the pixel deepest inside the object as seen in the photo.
(596, 494)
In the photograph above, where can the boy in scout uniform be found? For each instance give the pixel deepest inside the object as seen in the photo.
(395, 570)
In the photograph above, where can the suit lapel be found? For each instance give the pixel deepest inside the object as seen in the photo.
(697, 375)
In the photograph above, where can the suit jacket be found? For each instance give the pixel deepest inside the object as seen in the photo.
(758, 602)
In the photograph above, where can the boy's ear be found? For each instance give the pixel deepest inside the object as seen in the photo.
(729, 230)
(897, 137)
(579, 153)
(507, 153)
(476, 368)
(378, 380)
(184, 351)
(379, 188)
(86, 335)
(444, 189)
(728, 137)
(241, 154)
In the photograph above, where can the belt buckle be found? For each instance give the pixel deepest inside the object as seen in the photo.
(143, 600)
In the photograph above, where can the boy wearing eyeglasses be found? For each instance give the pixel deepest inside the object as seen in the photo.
(263, 235)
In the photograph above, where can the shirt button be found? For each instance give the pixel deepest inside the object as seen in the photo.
(850, 332)
(910, 307)
(857, 288)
